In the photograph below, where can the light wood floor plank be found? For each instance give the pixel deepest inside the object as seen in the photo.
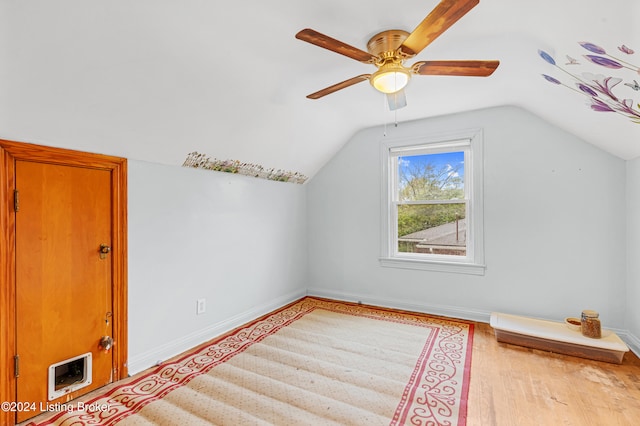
(513, 385)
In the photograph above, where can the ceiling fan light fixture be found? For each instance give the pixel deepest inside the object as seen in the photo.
(390, 78)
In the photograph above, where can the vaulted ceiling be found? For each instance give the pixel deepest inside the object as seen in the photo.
(157, 79)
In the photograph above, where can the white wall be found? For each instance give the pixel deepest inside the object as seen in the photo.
(237, 241)
(554, 225)
(633, 251)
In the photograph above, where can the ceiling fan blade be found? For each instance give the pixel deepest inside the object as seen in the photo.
(397, 100)
(339, 86)
(326, 42)
(445, 14)
(462, 68)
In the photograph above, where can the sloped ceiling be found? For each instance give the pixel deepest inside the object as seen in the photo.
(157, 79)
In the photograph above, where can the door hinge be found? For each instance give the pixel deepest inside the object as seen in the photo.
(16, 365)
(16, 200)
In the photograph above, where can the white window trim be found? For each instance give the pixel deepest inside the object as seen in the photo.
(473, 263)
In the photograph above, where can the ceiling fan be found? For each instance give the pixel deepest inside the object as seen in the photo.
(389, 49)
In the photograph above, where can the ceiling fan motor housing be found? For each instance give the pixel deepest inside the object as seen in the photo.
(386, 42)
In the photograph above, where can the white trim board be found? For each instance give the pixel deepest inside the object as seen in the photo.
(168, 350)
(175, 347)
(443, 310)
(426, 308)
(632, 341)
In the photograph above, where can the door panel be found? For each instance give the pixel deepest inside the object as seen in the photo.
(63, 285)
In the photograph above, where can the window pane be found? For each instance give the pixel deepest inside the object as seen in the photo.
(432, 229)
(431, 176)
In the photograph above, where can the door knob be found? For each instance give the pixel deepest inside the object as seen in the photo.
(104, 251)
(106, 342)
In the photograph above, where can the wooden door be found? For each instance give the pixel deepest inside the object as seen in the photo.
(58, 296)
(63, 282)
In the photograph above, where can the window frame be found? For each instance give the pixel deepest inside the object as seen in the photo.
(469, 141)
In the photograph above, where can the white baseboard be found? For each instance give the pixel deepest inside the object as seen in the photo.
(427, 308)
(443, 310)
(632, 341)
(142, 361)
(157, 355)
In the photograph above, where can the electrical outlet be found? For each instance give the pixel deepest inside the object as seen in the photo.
(201, 306)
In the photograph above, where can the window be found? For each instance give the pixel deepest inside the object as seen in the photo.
(432, 209)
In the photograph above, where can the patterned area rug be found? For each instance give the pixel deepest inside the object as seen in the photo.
(314, 362)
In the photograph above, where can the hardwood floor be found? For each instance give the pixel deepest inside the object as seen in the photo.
(516, 386)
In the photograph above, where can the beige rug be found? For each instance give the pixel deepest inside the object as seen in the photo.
(314, 362)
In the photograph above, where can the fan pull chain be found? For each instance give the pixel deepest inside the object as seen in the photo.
(384, 111)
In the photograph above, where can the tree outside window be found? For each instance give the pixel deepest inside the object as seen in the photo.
(431, 204)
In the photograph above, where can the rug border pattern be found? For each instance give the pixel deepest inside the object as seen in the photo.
(435, 388)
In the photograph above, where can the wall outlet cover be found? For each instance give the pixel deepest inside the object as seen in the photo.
(201, 306)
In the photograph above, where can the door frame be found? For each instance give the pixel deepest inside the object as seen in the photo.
(11, 151)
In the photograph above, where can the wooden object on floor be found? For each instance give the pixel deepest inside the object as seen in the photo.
(557, 337)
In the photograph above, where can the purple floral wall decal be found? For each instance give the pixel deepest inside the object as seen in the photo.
(599, 88)
(625, 49)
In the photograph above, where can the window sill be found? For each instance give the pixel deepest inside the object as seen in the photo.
(431, 265)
